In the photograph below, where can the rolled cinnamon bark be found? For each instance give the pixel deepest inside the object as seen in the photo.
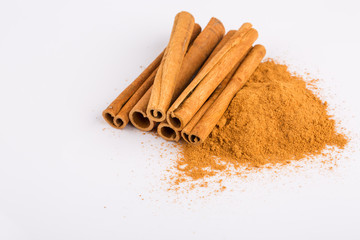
(165, 80)
(185, 133)
(208, 79)
(138, 116)
(168, 133)
(117, 114)
(197, 54)
(213, 114)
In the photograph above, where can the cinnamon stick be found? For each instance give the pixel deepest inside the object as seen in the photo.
(117, 114)
(198, 52)
(138, 116)
(168, 133)
(207, 80)
(165, 80)
(185, 133)
(213, 114)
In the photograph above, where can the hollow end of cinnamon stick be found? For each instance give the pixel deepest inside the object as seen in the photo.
(185, 136)
(119, 122)
(157, 115)
(168, 133)
(141, 121)
(109, 117)
(175, 121)
(195, 139)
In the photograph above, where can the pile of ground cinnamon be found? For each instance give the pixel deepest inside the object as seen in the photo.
(273, 119)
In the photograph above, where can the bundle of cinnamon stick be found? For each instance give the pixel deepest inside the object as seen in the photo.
(188, 87)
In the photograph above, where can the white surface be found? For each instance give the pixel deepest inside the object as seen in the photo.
(62, 62)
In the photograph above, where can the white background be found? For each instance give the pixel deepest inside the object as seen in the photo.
(63, 177)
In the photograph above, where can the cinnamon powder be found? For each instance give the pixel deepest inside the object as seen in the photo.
(273, 119)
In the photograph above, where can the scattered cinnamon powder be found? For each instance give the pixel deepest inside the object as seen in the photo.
(274, 119)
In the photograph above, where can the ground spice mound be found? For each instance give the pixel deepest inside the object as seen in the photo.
(273, 119)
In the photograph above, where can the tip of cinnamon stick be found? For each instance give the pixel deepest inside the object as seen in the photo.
(141, 121)
(194, 139)
(119, 123)
(247, 25)
(168, 133)
(259, 47)
(156, 115)
(109, 117)
(185, 13)
(185, 136)
(174, 121)
(218, 24)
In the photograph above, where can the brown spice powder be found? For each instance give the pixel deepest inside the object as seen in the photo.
(275, 118)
